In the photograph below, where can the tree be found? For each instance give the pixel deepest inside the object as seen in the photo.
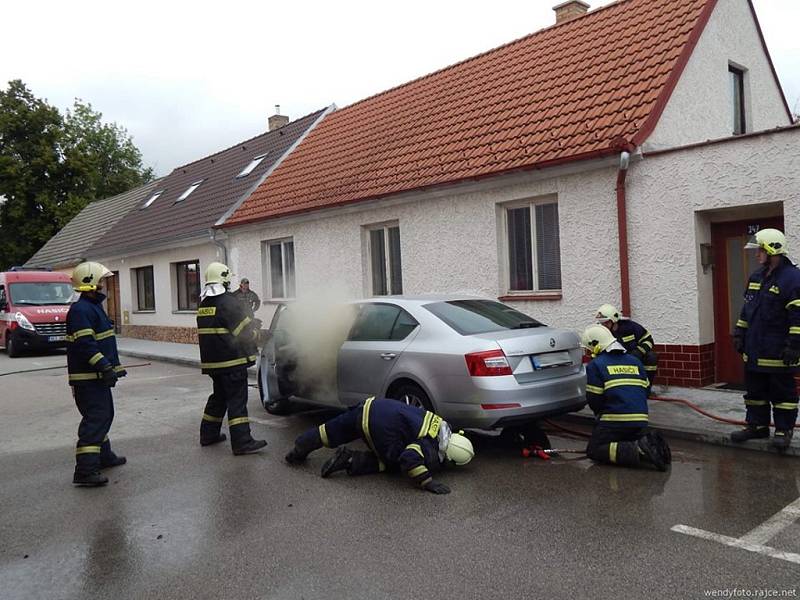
(53, 165)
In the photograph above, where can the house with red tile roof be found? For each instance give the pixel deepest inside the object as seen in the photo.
(160, 248)
(622, 155)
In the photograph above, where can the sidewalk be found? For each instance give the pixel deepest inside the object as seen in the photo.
(674, 420)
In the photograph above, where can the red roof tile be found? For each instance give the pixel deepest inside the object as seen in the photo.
(578, 89)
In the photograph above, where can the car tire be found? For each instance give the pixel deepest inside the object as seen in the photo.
(11, 347)
(278, 406)
(412, 394)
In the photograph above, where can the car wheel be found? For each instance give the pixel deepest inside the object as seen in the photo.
(11, 347)
(277, 406)
(412, 394)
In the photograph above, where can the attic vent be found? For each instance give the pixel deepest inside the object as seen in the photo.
(569, 10)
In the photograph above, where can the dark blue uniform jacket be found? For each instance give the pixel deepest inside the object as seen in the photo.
(616, 389)
(91, 345)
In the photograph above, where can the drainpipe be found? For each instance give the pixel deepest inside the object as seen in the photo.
(218, 244)
(622, 225)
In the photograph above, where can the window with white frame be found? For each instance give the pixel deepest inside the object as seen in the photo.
(533, 249)
(385, 264)
(277, 259)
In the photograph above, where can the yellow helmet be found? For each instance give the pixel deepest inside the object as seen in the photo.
(597, 338)
(87, 275)
(459, 449)
(607, 312)
(216, 272)
(772, 241)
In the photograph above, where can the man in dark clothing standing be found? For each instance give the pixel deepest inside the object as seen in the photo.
(247, 296)
(93, 367)
(767, 335)
(227, 347)
(616, 389)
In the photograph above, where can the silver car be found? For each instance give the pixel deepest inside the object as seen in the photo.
(476, 362)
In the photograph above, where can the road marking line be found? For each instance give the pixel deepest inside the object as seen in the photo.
(774, 525)
(738, 543)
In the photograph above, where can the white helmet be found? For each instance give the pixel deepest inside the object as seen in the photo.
(597, 338)
(772, 241)
(459, 449)
(216, 272)
(607, 312)
(87, 275)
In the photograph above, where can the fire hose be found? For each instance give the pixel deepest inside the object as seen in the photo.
(126, 367)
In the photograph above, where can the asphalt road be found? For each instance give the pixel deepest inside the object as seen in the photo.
(181, 521)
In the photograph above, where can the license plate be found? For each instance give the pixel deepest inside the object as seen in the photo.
(56, 338)
(550, 360)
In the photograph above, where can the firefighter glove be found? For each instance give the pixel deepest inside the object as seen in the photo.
(109, 377)
(738, 344)
(791, 356)
(436, 488)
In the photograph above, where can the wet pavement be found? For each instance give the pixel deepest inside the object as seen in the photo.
(181, 521)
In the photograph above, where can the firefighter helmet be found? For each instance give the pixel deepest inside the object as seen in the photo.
(771, 241)
(87, 275)
(597, 338)
(607, 312)
(459, 449)
(216, 272)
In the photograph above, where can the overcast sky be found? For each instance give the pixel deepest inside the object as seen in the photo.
(190, 78)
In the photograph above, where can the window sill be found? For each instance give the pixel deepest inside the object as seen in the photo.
(531, 297)
(184, 312)
(144, 312)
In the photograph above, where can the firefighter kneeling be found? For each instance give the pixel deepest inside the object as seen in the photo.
(398, 435)
(616, 388)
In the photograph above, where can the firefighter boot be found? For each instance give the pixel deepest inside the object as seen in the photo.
(113, 461)
(209, 442)
(339, 462)
(250, 447)
(782, 439)
(751, 432)
(90, 479)
(651, 450)
(296, 456)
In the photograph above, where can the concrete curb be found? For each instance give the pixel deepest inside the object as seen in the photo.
(698, 435)
(177, 360)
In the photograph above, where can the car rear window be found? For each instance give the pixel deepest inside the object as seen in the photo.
(469, 317)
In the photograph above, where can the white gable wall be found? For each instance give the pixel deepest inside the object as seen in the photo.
(453, 244)
(701, 106)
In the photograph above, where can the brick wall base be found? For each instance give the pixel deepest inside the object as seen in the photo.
(685, 366)
(181, 335)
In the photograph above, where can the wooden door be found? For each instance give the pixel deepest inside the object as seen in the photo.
(112, 300)
(732, 268)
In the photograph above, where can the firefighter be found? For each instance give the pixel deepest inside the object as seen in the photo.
(767, 335)
(227, 347)
(93, 366)
(616, 389)
(634, 338)
(399, 436)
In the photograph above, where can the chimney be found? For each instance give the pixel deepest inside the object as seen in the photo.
(566, 11)
(277, 120)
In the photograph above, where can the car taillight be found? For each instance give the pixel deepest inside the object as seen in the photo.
(500, 406)
(487, 364)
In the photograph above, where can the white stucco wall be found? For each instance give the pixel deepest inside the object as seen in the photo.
(450, 244)
(701, 106)
(165, 285)
(673, 198)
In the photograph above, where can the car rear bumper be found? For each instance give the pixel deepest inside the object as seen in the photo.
(529, 402)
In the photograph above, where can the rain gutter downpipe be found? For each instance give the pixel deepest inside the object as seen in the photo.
(622, 226)
(219, 244)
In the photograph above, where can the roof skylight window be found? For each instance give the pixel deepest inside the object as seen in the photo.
(192, 188)
(249, 168)
(152, 199)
